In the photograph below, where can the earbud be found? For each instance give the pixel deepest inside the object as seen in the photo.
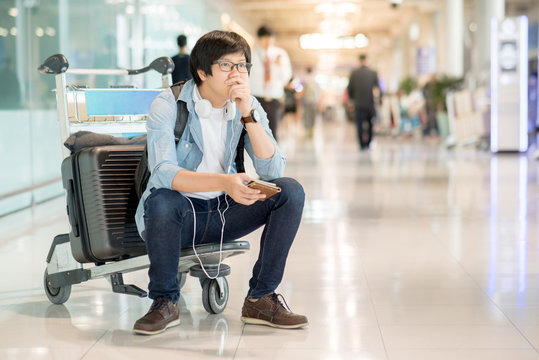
(203, 107)
(230, 110)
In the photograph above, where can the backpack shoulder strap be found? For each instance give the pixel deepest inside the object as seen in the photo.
(240, 166)
(177, 89)
(142, 173)
(182, 113)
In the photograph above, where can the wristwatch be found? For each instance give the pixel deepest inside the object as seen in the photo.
(251, 118)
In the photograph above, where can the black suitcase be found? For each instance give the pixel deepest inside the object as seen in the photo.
(101, 203)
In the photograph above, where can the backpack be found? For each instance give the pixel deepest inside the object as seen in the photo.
(142, 173)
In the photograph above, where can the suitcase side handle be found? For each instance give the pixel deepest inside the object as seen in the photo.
(72, 209)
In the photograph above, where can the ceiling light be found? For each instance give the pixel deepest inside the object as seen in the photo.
(344, 8)
(414, 32)
(225, 19)
(361, 41)
(323, 8)
(336, 8)
(319, 41)
(335, 26)
(13, 12)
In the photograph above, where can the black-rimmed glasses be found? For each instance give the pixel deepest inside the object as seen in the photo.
(228, 66)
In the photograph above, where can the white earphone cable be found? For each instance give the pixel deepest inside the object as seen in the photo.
(223, 222)
(222, 217)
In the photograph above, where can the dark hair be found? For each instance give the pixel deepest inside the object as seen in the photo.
(362, 57)
(211, 47)
(182, 40)
(265, 30)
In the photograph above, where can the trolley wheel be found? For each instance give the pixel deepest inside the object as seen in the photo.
(182, 278)
(57, 295)
(214, 298)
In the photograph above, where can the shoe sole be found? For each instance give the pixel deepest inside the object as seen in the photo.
(253, 321)
(147, 332)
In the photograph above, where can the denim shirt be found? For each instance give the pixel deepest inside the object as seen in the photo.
(165, 158)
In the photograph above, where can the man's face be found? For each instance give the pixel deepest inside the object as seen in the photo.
(265, 41)
(214, 85)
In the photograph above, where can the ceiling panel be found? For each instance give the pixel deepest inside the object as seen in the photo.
(380, 21)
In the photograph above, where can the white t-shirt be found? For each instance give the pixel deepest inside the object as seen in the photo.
(280, 74)
(213, 158)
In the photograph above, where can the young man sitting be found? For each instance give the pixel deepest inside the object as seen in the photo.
(194, 181)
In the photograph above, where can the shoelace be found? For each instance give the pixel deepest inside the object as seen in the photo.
(159, 303)
(277, 299)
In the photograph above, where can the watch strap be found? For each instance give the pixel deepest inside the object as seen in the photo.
(249, 118)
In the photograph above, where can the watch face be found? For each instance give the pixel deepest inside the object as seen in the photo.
(255, 115)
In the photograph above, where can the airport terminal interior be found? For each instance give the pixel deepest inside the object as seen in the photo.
(424, 244)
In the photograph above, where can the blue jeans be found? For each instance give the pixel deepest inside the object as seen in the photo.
(169, 227)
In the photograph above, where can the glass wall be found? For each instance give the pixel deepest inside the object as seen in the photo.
(91, 34)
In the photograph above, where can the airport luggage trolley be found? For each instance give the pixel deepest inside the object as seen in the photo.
(101, 197)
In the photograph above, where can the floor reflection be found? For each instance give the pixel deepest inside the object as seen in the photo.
(408, 251)
(508, 224)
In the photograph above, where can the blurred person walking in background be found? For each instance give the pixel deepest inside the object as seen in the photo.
(309, 101)
(181, 61)
(363, 81)
(270, 73)
(290, 107)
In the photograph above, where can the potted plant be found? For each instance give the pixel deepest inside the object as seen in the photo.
(435, 92)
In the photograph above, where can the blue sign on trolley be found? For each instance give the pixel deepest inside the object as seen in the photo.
(119, 102)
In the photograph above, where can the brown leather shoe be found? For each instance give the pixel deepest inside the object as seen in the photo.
(269, 310)
(162, 314)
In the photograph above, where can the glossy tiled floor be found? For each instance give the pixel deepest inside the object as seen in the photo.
(406, 252)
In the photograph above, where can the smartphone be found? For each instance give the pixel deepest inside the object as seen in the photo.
(267, 188)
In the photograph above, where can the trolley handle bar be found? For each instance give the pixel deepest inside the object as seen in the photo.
(58, 64)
